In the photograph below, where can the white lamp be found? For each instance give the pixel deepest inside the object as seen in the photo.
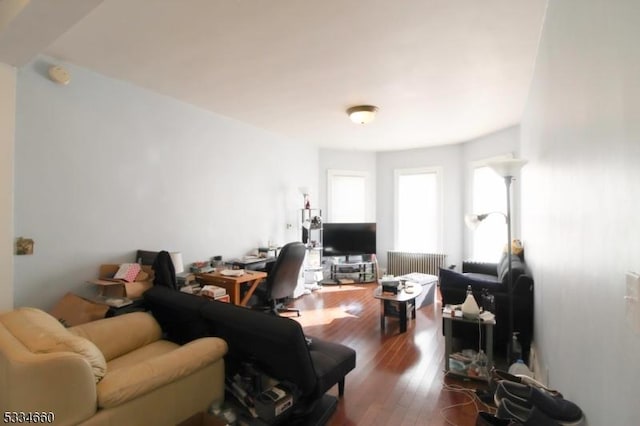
(362, 114)
(304, 190)
(508, 168)
(176, 259)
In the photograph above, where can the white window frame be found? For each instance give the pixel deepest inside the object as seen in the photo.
(333, 173)
(396, 213)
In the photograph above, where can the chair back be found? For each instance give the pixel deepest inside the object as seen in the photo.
(165, 273)
(283, 277)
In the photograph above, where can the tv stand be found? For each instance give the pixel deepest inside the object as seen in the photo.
(348, 261)
(360, 271)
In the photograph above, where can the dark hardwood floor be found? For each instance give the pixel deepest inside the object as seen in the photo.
(398, 379)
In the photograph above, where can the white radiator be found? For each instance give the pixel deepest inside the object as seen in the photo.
(401, 263)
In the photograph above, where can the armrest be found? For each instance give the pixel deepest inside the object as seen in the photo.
(60, 382)
(119, 335)
(523, 286)
(127, 383)
(487, 268)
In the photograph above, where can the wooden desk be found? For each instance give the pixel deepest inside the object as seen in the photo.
(262, 264)
(251, 279)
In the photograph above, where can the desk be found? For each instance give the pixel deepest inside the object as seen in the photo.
(233, 284)
(263, 264)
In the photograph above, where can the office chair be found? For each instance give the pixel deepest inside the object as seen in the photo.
(283, 278)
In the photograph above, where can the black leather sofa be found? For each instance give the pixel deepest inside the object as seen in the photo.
(493, 277)
(276, 345)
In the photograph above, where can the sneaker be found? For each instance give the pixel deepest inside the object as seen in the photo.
(516, 392)
(488, 419)
(499, 375)
(528, 397)
(526, 416)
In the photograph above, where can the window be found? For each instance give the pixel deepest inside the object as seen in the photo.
(489, 195)
(346, 201)
(417, 210)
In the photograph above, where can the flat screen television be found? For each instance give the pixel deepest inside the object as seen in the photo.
(345, 239)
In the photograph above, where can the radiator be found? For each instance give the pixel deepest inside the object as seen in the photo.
(401, 263)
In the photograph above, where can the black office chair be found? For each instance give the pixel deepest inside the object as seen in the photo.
(283, 278)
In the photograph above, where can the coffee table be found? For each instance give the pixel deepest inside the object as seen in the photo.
(389, 302)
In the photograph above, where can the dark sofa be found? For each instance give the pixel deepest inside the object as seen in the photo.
(493, 277)
(277, 345)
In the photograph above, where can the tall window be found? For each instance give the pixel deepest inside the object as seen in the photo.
(346, 192)
(489, 195)
(417, 210)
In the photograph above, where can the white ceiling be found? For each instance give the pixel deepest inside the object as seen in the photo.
(441, 71)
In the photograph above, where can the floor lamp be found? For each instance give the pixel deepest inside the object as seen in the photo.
(508, 169)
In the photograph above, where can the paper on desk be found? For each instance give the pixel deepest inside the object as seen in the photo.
(232, 272)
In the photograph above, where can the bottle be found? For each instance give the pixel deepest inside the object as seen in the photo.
(516, 349)
(470, 308)
(519, 368)
(488, 301)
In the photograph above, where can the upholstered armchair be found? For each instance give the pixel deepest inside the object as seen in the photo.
(112, 371)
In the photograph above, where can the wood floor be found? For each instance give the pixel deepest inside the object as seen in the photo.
(398, 379)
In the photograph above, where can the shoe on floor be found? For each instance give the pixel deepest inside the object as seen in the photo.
(526, 416)
(499, 375)
(488, 419)
(555, 407)
(486, 396)
(516, 392)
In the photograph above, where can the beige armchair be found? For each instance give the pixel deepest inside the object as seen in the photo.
(115, 371)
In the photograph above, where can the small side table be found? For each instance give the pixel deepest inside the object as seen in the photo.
(402, 298)
(488, 324)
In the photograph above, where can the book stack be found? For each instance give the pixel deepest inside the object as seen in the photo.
(193, 288)
(215, 292)
(185, 278)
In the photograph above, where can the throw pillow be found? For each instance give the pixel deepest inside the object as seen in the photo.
(42, 333)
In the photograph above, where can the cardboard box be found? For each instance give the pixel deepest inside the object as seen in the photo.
(110, 287)
(75, 310)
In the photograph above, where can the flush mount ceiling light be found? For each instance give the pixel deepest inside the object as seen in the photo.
(59, 74)
(362, 114)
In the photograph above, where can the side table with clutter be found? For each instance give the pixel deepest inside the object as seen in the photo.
(468, 363)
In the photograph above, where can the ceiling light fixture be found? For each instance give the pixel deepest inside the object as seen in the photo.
(362, 114)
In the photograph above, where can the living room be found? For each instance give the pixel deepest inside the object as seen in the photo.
(96, 169)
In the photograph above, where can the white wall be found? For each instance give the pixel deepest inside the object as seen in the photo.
(104, 168)
(7, 133)
(581, 197)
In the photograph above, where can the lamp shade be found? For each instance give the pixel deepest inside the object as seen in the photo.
(507, 167)
(362, 114)
(472, 221)
(176, 259)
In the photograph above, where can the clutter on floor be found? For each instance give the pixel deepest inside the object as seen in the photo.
(522, 400)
